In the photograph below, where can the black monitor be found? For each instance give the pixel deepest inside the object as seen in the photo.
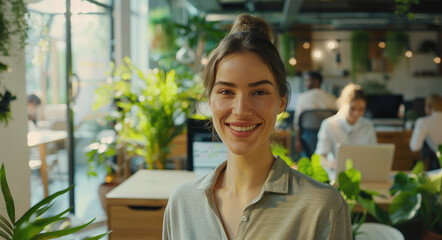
(383, 105)
(204, 152)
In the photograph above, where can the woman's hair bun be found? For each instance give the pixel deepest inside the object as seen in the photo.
(248, 23)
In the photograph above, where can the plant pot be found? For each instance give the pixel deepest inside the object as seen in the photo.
(103, 190)
(428, 235)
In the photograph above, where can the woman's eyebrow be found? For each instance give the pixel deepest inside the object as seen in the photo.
(231, 84)
(255, 84)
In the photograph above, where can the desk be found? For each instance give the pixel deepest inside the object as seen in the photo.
(40, 139)
(136, 207)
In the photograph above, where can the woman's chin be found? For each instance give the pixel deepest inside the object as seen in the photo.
(243, 148)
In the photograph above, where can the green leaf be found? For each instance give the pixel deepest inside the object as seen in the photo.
(404, 207)
(4, 235)
(99, 236)
(319, 173)
(6, 228)
(418, 168)
(439, 153)
(305, 167)
(402, 183)
(43, 209)
(374, 209)
(60, 233)
(348, 164)
(347, 185)
(32, 211)
(371, 193)
(6, 222)
(10, 206)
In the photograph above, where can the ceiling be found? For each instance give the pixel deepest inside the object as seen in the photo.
(326, 14)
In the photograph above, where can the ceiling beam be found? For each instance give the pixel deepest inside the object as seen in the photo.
(289, 12)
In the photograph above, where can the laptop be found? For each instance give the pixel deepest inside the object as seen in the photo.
(373, 161)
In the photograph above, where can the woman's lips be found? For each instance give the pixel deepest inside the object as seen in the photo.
(243, 129)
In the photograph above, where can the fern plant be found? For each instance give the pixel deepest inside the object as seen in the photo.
(32, 225)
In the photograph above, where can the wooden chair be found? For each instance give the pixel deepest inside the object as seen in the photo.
(404, 159)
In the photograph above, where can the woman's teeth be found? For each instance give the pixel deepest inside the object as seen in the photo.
(242, 129)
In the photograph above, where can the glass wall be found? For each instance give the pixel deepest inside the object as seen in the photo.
(46, 54)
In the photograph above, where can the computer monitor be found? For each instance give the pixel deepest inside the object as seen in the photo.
(383, 105)
(204, 151)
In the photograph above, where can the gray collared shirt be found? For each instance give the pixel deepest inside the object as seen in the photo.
(290, 206)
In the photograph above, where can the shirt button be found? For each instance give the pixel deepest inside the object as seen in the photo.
(244, 218)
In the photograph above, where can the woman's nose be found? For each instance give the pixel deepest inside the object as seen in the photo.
(242, 106)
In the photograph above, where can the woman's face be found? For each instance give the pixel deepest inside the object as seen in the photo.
(245, 102)
(356, 109)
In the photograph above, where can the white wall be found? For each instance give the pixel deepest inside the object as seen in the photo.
(400, 80)
(14, 152)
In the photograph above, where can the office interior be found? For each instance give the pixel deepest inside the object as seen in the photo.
(82, 57)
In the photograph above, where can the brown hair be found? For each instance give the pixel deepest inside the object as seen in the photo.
(251, 34)
(350, 93)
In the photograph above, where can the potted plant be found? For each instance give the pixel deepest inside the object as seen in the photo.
(32, 225)
(418, 184)
(13, 32)
(349, 186)
(150, 111)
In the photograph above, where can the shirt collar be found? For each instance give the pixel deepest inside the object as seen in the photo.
(436, 113)
(345, 125)
(277, 181)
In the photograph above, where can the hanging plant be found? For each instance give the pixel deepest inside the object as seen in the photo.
(402, 8)
(13, 33)
(359, 52)
(288, 49)
(395, 45)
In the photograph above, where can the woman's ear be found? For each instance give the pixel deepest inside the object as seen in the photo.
(283, 104)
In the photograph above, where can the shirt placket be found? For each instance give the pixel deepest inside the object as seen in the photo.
(245, 218)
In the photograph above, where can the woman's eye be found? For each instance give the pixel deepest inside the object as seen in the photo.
(260, 92)
(225, 92)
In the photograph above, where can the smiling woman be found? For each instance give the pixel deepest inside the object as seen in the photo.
(252, 194)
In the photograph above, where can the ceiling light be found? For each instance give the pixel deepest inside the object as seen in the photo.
(332, 44)
(306, 45)
(292, 61)
(381, 44)
(437, 60)
(317, 54)
(408, 54)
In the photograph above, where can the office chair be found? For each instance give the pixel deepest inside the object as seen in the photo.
(309, 124)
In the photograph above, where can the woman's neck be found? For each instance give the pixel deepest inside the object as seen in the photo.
(248, 172)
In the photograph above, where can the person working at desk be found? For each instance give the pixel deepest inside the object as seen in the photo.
(313, 98)
(33, 103)
(427, 133)
(346, 127)
(252, 195)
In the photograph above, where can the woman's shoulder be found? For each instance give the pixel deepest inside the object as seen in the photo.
(306, 185)
(190, 188)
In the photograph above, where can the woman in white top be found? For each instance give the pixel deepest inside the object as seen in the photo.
(346, 127)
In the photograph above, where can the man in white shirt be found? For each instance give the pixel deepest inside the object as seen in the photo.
(313, 98)
(428, 130)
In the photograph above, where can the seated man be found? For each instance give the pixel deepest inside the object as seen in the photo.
(33, 104)
(313, 98)
(427, 133)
